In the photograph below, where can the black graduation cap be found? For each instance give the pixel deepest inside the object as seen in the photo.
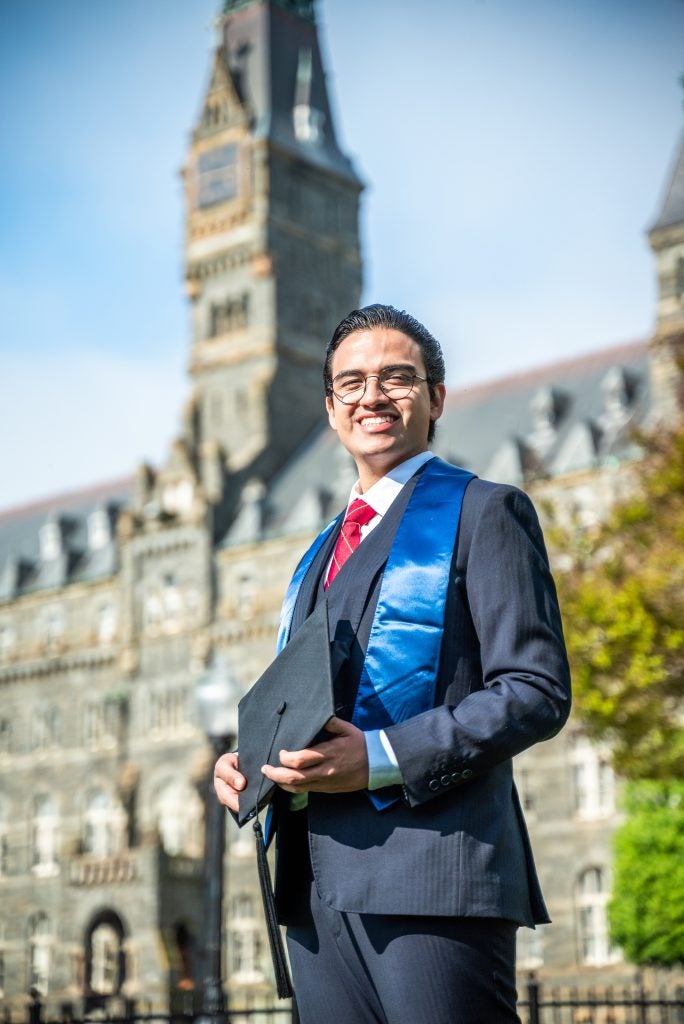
(285, 709)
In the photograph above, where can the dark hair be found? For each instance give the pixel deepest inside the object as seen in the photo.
(377, 315)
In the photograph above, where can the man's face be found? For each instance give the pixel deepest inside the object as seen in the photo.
(377, 431)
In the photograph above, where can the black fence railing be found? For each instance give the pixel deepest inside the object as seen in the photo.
(128, 1011)
(632, 1004)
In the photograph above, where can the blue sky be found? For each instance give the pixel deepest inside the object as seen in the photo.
(514, 153)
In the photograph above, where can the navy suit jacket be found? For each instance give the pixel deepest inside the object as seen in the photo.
(455, 842)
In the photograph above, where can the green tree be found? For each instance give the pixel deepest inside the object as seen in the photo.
(646, 913)
(623, 608)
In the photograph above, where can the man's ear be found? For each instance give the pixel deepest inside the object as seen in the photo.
(437, 396)
(330, 409)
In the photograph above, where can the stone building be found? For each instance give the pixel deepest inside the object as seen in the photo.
(114, 600)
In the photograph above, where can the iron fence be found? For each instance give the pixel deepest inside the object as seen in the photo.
(128, 1011)
(631, 1004)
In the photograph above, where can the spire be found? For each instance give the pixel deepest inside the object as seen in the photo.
(302, 8)
(672, 210)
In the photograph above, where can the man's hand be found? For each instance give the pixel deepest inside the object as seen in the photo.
(339, 765)
(227, 781)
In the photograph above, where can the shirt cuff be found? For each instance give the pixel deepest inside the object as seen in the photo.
(383, 767)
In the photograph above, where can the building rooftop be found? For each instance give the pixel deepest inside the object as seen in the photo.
(547, 422)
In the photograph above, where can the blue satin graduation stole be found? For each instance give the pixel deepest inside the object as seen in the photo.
(402, 660)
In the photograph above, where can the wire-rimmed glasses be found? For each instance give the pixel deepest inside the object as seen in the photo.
(349, 388)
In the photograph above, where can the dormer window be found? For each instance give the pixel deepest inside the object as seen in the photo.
(99, 529)
(618, 389)
(546, 407)
(50, 541)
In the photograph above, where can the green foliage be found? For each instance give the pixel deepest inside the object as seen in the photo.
(646, 913)
(623, 610)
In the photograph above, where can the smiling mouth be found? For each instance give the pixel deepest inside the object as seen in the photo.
(374, 421)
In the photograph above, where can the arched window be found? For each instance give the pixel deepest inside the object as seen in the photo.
(54, 624)
(530, 948)
(105, 824)
(593, 780)
(106, 622)
(179, 816)
(44, 830)
(104, 957)
(172, 599)
(40, 937)
(592, 922)
(246, 949)
(104, 964)
(7, 640)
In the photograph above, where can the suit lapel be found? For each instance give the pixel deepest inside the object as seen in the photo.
(349, 594)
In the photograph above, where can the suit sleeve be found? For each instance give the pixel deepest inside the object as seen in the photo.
(525, 694)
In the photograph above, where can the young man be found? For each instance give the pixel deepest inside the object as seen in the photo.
(404, 867)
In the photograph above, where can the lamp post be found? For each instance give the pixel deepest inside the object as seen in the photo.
(217, 696)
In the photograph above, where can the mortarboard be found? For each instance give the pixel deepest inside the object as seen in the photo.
(286, 708)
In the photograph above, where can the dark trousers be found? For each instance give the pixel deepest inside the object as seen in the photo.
(358, 968)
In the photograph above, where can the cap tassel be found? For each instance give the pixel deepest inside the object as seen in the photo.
(275, 939)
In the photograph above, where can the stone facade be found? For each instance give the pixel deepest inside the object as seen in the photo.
(114, 601)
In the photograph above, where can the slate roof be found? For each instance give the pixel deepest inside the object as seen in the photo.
(548, 422)
(672, 209)
(74, 556)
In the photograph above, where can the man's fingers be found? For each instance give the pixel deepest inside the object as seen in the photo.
(300, 758)
(228, 781)
(284, 776)
(230, 777)
(226, 795)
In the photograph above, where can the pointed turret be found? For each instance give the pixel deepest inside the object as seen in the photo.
(272, 255)
(667, 241)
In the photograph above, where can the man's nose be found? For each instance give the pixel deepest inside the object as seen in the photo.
(373, 392)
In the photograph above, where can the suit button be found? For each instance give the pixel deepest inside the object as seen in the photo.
(455, 776)
(433, 784)
(466, 773)
(446, 780)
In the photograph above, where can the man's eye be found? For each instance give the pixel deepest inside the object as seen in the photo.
(349, 384)
(398, 380)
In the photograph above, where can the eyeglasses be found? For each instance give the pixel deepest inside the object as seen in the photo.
(394, 384)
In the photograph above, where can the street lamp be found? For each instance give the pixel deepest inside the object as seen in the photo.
(217, 696)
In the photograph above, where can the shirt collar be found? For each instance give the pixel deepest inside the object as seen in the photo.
(381, 495)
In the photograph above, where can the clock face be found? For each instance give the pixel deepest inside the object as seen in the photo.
(217, 175)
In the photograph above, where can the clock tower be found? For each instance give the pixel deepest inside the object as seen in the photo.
(272, 247)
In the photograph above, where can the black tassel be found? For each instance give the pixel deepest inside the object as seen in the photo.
(275, 940)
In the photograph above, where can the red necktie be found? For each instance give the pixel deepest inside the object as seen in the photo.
(358, 514)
